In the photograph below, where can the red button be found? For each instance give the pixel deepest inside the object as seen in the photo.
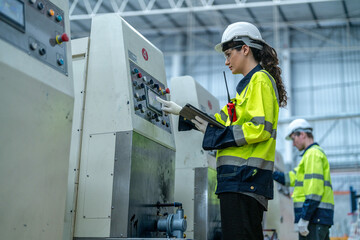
(167, 90)
(63, 38)
(139, 75)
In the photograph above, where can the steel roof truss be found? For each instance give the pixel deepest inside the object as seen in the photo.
(178, 6)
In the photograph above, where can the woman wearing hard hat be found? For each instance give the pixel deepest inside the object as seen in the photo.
(246, 146)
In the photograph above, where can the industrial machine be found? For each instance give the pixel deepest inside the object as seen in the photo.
(125, 150)
(36, 108)
(195, 175)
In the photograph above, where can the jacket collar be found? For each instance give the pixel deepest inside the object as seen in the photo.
(313, 144)
(245, 81)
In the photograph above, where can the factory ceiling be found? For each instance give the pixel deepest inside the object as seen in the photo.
(174, 17)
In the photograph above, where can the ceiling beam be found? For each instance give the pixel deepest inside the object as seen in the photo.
(208, 7)
(266, 25)
(314, 15)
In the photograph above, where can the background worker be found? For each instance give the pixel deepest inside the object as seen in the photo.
(313, 195)
(246, 146)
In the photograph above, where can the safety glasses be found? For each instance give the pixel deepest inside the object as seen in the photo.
(227, 53)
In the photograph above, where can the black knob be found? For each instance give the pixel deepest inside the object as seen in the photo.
(42, 51)
(142, 85)
(151, 82)
(141, 108)
(40, 5)
(143, 97)
(156, 117)
(135, 83)
(156, 86)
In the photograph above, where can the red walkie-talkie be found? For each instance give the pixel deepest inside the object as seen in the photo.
(230, 105)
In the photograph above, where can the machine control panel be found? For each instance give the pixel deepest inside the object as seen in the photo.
(145, 90)
(37, 28)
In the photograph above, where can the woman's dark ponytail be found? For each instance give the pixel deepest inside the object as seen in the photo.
(267, 57)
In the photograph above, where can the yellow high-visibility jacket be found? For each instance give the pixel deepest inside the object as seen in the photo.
(313, 195)
(246, 147)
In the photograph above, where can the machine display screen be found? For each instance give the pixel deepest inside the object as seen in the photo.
(12, 12)
(153, 103)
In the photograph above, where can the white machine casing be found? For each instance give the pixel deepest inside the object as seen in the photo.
(109, 117)
(194, 166)
(80, 51)
(36, 105)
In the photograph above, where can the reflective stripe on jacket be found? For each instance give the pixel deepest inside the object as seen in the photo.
(246, 148)
(313, 195)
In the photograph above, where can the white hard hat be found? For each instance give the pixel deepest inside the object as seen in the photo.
(298, 125)
(241, 31)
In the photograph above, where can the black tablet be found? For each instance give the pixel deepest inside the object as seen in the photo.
(189, 112)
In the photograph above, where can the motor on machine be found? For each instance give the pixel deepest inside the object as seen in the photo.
(126, 152)
(36, 105)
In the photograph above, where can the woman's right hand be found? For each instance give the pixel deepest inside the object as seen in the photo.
(169, 106)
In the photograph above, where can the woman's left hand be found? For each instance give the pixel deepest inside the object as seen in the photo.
(200, 124)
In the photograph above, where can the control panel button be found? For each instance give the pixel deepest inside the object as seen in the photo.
(140, 86)
(59, 18)
(60, 61)
(150, 82)
(157, 118)
(135, 70)
(32, 1)
(139, 75)
(51, 12)
(40, 6)
(135, 83)
(143, 97)
(163, 122)
(144, 78)
(167, 90)
(139, 107)
(33, 46)
(42, 51)
(136, 95)
(62, 38)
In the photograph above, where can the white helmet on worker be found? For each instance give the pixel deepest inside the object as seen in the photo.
(298, 125)
(241, 31)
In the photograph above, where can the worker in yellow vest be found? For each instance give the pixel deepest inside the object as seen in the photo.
(313, 196)
(246, 144)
